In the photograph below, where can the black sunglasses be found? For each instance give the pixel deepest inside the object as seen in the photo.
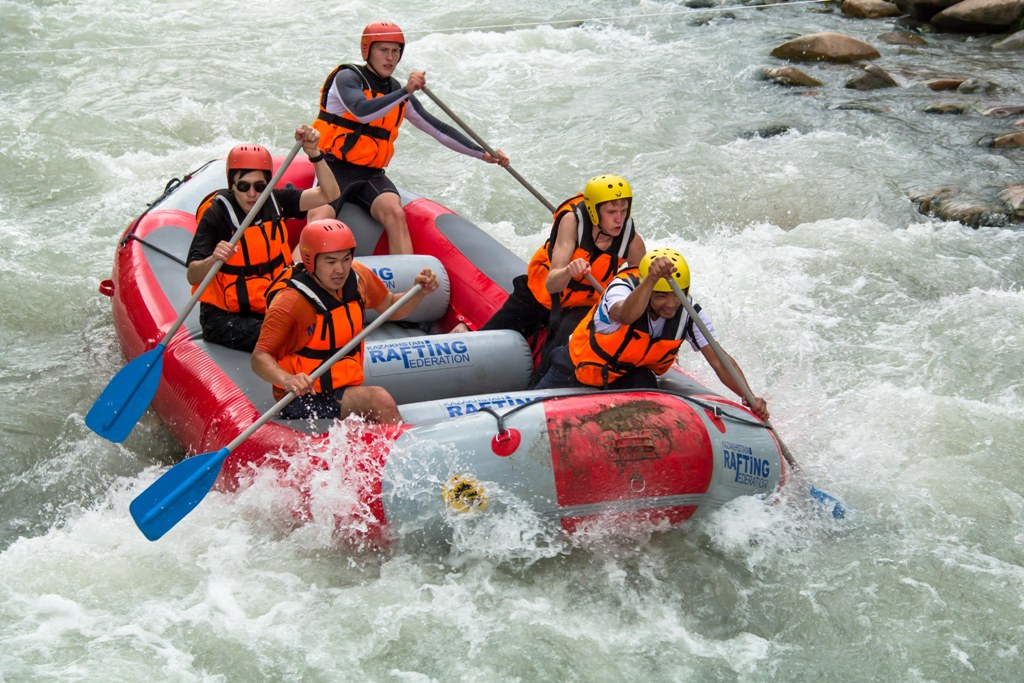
(244, 185)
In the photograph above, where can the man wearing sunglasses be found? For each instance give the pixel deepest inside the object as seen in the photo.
(361, 110)
(232, 307)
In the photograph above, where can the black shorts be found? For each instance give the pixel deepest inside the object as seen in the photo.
(360, 185)
(520, 312)
(315, 406)
(233, 330)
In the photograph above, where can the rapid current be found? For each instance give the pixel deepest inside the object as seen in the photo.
(890, 346)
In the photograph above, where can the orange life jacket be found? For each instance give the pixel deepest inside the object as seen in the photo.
(337, 322)
(600, 359)
(603, 264)
(365, 144)
(241, 283)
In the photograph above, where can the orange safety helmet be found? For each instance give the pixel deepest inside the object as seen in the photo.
(381, 32)
(323, 237)
(249, 158)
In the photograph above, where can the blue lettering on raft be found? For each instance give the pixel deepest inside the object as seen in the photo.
(470, 407)
(422, 354)
(748, 470)
(386, 275)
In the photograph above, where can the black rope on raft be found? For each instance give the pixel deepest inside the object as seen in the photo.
(153, 247)
(713, 409)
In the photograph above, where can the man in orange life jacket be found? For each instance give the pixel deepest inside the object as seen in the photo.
(361, 110)
(316, 312)
(231, 308)
(592, 233)
(635, 332)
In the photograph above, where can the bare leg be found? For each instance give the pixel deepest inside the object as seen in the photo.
(320, 213)
(387, 210)
(373, 403)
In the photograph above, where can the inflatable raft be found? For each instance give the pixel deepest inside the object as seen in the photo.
(475, 440)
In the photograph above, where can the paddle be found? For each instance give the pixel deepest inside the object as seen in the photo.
(126, 397)
(178, 490)
(838, 511)
(487, 148)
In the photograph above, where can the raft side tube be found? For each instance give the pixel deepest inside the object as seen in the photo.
(398, 273)
(429, 412)
(425, 462)
(440, 366)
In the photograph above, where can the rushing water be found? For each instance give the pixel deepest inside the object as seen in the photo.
(890, 346)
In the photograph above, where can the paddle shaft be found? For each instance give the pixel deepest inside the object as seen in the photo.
(325, 366)
(234, 240)
(748, 395)
(487, 148)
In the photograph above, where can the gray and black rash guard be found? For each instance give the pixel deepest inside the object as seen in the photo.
(346, 96)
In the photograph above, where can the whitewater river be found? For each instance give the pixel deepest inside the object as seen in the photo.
(890, 346)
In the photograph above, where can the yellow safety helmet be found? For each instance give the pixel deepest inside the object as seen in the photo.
(605, 188)
(681, 276)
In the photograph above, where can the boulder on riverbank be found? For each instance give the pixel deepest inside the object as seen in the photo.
(958, 16)
(924, 10)
(980, 16)
(827, 47)
(1013, 42)
(869, 9)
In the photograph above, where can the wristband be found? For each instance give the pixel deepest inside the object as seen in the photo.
(318, 157)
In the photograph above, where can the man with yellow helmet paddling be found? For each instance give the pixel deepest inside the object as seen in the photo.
(634, 333)
(592, 234)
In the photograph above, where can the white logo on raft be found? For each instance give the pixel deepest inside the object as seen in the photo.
(459, 408)
(748, 470)
(386, 275)
(422, 354)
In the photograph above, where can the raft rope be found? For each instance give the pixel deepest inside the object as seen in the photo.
(716, 410)
(154, 248)
(172, 185)
(566, 23)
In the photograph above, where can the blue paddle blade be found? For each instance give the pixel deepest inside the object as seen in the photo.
(168, 499)
(838, 511)
(127, 396)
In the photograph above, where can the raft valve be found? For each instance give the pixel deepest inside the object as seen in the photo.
(505, 443)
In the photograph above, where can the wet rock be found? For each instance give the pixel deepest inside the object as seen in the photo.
(991, 16)
(709, 17)
(924, 9)
(954, 204)
(977, 85)
(902, 38)
(862, 106)
(766, 132)
(1013, 198)
(1004, 111)
(945, 108)
(699, 4)
(1008, 140)
(789, 75)
(1013, 42)
(869, 9)
(828, 46)
(944, 84)
(871, 78)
